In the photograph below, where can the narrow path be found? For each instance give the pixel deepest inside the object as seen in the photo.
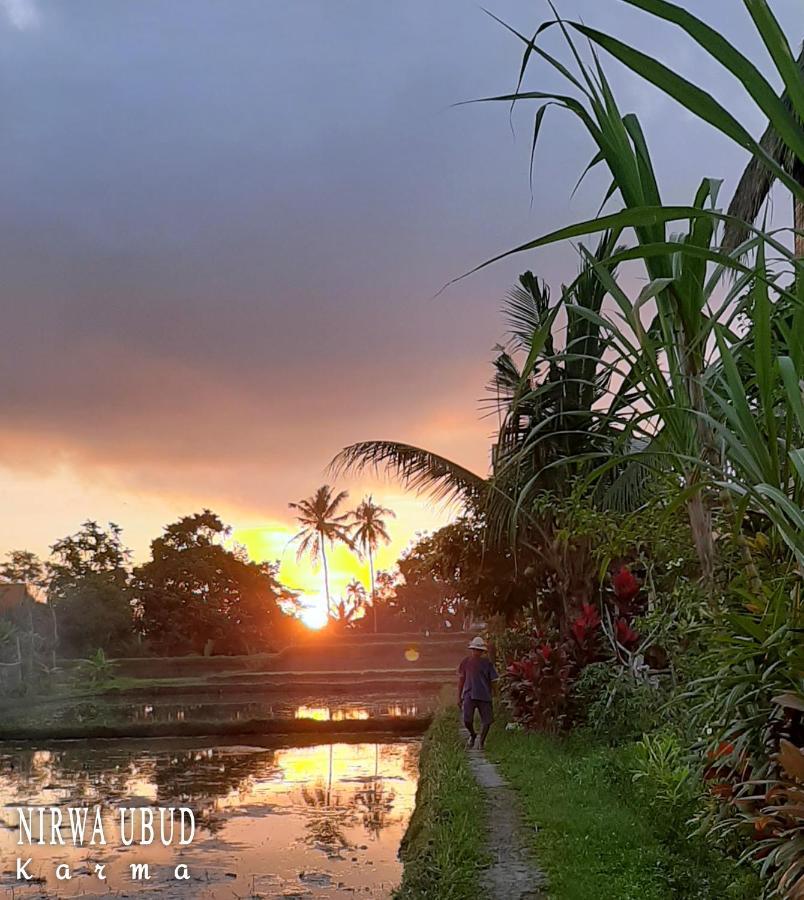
(512, 875)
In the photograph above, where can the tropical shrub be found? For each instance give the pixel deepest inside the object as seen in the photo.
(779, 821)
(697, 386)
(613, 705)
(664, 779)
(97, 669)
(536, 686)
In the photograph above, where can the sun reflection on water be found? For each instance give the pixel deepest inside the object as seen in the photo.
(336, 809)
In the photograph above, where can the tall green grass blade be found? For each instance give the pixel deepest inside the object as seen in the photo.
(752, 79)
(693, 98)
(763, 354)
(779, 50)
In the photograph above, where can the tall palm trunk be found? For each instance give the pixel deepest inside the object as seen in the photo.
(373, 592)
(699, 505)
(700, 516)
(326, 572)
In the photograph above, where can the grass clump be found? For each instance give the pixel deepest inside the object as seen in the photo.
(443, 847)
(593, 831)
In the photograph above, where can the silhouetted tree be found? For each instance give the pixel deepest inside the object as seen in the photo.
(321, 525)
(369, 530)
(88, 586)
(23, 567)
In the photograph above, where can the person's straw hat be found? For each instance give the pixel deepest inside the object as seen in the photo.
(477, 643)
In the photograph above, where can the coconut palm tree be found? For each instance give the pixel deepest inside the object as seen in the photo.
(555, 406)
(356, 593)
(351, 606)
(369, 530)
(320, 525)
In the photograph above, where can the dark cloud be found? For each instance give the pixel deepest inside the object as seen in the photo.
(223, 224)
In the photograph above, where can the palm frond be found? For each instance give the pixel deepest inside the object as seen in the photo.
(525, 307)
(417, 469)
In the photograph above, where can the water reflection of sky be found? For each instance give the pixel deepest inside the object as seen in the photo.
(320, 821)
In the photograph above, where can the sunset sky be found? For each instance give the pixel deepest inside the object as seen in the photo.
(222, 226)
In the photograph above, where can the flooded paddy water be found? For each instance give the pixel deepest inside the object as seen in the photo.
(301, 779)
(278, 821)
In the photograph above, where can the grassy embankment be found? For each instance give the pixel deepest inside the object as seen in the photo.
(443, 847)
(592, 834)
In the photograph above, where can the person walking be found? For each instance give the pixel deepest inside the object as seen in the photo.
(476, 675)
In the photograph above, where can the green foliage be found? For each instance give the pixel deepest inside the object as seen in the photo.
(783, 113)
(97, 669)
(92, 552)
(7, 633)
(613, 705)
(438, 578)
(193, 593)
(88, 589)
(698, 407)
(664, 779)
(92, 611)
(593, 831)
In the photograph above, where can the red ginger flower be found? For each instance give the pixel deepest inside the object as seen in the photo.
(625, 634)
(724, 748)
(587, 621)
(625, 585)
(589, 615)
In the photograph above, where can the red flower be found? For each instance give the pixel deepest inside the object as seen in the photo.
(579, 630)
(626, 587)
(722, 791)
(625, 634)
(587, 621)
(724, 748)
(590, 615)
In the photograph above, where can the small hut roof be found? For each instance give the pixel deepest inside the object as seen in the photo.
(13, 595)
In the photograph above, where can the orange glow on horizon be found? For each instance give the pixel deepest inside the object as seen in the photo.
(273, 542)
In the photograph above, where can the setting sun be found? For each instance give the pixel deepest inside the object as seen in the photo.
(314, 612)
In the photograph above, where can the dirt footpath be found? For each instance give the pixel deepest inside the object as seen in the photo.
(512, 875)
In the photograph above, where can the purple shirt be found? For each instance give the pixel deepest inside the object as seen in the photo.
(478, 674)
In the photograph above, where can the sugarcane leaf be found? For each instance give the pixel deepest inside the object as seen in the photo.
(752, 79)
(763, 357)
(779, 50)
(693, 98)
(793, 388)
